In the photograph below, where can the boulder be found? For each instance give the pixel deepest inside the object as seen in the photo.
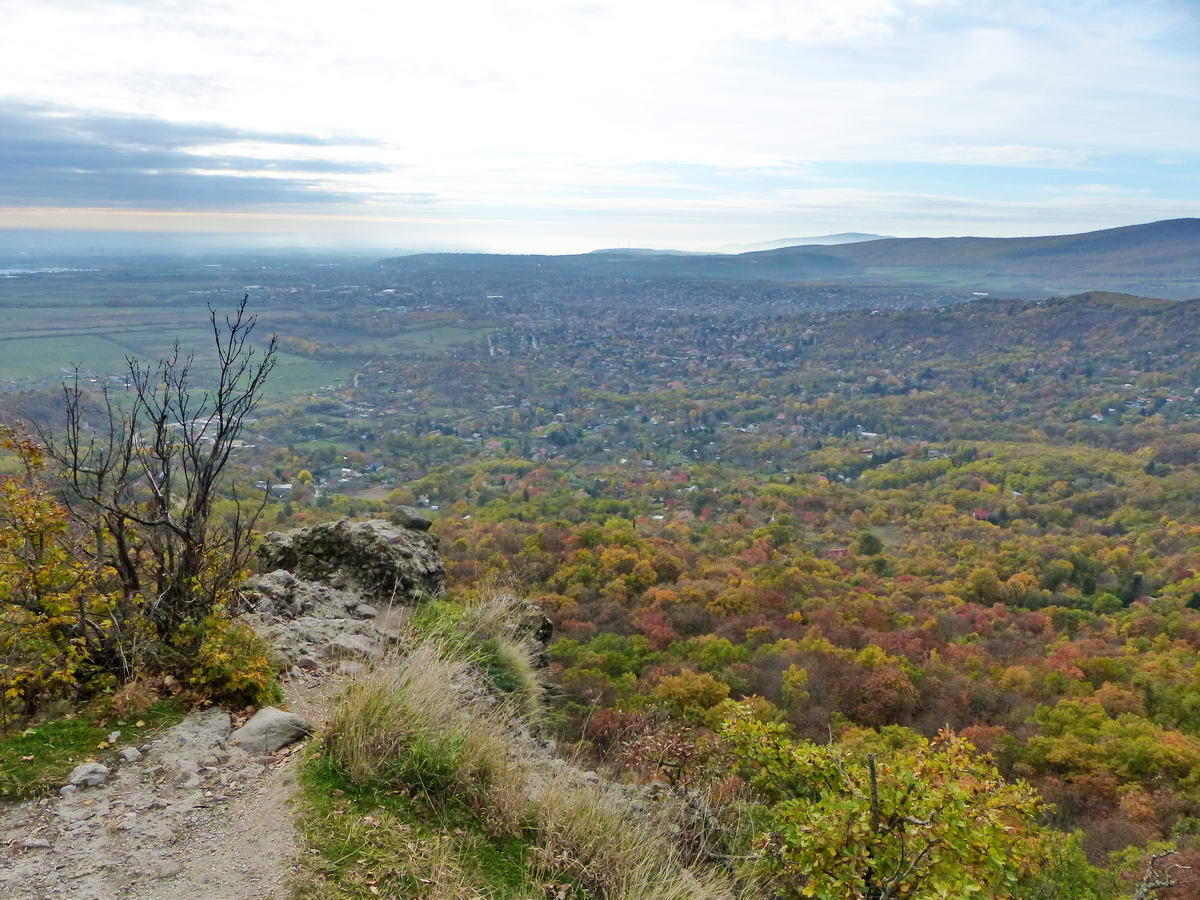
(89, 775)
(269, 729)
(407, 517)
(381, 559)
(351, 646)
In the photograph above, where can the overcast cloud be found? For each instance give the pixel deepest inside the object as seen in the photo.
(547, 124)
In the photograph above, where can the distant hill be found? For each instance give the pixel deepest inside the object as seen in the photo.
(1160, 259)
(796, 266)
(642, 251)
(825, 240)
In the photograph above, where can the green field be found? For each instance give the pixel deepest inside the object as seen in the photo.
(97, 322)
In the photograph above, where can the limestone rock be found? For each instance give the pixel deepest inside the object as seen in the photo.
(269, 729)
(130, 754)
(352, 646)
(89, 775)
(407, 517)
(380, 558)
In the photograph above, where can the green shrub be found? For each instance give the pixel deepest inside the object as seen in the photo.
(228, 663)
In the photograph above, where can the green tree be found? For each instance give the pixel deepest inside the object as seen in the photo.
(934, 821)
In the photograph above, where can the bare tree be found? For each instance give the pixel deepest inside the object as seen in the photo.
(1160, 877)
(146, 475)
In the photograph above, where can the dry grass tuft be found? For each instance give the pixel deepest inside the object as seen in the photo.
(588, 833)
(493, 628)
(413, 720)
(424, 721)
(403, 719)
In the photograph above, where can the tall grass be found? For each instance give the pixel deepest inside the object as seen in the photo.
(587, 833)
(422, 721)
(489, 627)
(407, 720)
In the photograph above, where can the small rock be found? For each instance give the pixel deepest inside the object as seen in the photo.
(89, 775)
(407, 517)
(130, 754)
(113, 737)
(366, 611)
(190, 783)
(269, 729)
(168, 868)
(349, 646)
(67, 790)
(349, 667)
(35, 844)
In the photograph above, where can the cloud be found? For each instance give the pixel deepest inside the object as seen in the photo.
(54, 157)
(603, 114)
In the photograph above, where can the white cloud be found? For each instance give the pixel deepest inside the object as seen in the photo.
(518, 105)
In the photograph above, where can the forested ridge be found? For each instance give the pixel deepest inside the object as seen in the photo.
(909, 596)
(979, 518)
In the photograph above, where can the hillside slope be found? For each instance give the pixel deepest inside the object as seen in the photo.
(1156, 251)
(1157, 259)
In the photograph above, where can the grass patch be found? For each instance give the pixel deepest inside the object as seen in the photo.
(362, 842)
(37, 760)
(471, 810)
(489, 628)
(587, 832)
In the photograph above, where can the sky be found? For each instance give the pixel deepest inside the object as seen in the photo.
(562, 126)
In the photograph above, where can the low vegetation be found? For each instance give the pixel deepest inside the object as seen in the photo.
(441, 734)
(37, 760)
(113, 565)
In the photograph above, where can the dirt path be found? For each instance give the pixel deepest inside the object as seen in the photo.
(242, 853)
(193, 819)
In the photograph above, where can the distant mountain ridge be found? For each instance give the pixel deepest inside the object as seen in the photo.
(825, 240)
(1160, 259)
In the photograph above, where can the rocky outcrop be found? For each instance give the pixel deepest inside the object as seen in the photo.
(390, 562)
(333, 597)
(342, 591)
